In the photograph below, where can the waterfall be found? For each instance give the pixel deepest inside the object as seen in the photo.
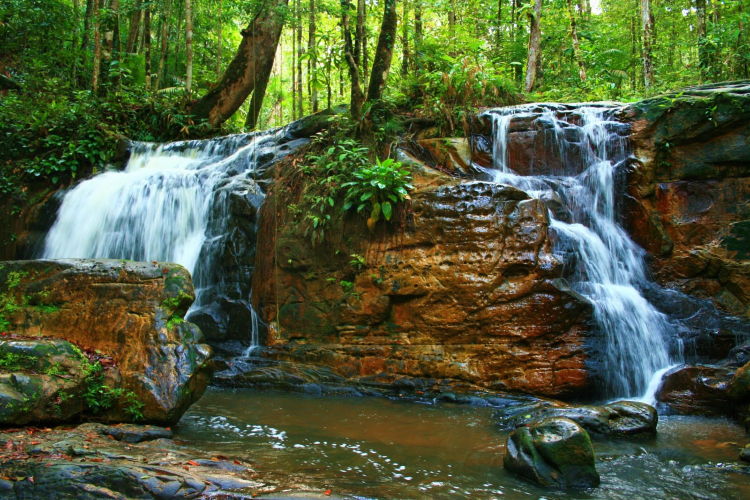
(172, 203)
(608, 267)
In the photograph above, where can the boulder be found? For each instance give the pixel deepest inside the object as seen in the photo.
(104, 338)
(739, 387)
(696, 390)
(688, 190)
(465, 288)
(745, 453)
(553, 452)
(618, 419)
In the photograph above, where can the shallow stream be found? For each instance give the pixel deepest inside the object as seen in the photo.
(390, 448)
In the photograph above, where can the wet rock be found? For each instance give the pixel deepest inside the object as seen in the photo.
(553, 452)
(144, 362)
(468, 291)
(688, 191)
(696, 390)
(745, 453)
(85, 463)
(619, 419)
(739, 387)
(129, 433)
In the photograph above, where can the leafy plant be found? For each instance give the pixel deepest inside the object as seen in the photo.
(381, 186)
(358, 262)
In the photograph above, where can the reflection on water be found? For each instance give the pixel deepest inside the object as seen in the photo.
(382, 448)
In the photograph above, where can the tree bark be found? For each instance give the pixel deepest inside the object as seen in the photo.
(135, 25)
(405, 56)
(418, 33)
(259, 93)
(147, 44)
(87, 22)
(97, 48)
(381, 63)
(74, 45)
(703, 63)
(576, 45)
(360, 46)
(218, 46)
(312, 60)
(189, 47)
(300, 53)
(166, 13)
(647, 20)
(258, 45)
(535, 40)
(357, 98)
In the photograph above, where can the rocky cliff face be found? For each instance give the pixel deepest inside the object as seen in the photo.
(688, 199)
(464, 288)
(101, 338)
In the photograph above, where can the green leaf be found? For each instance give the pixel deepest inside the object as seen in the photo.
(387, 210)
(366, 196)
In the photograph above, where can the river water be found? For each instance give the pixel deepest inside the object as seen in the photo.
(392, 448)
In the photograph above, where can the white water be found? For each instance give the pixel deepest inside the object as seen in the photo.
(609, 267)
(169, 204)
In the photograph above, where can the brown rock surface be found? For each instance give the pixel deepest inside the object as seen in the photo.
(131, 311)
(463, 287)
(689, 191)
(697, 390)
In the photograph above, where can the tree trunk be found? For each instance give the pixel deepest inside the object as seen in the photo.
(259, 93)
(74, 45)
(312, 60)
(188, 47)
(576, 45)
(381, 63)
(352, 61)
(110, 34)
(499, 26)
(97, 48)
(135, 25)
(166, 13)
(300, 53)
(418, 33)
(405, 40)
(700, 6)
(535, 40)
(218, 46)
(452, 21)
(147, 44)
(361, 42)
(87, 23)
(258, 45)
(647, 20)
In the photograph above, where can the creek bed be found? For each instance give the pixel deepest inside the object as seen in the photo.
(392, 448)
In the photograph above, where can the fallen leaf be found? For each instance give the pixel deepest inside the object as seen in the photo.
(36, 442)
(327, 493)
(31, 479)
(186, 467)
(214, 459)
(221, 457)
(193, 462)
(237, 462)
(110, 437)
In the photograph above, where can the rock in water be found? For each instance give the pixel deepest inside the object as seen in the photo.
(618, 419)
(739, 387)
(553, 452)
(140, 360)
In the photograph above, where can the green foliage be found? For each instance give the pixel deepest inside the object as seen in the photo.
(98, 397)
(174, 302)
(173, 321)
(381, 186)
(8, 302)
(358, 262)
(12, 362)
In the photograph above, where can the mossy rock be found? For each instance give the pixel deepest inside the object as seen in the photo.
(554, 452)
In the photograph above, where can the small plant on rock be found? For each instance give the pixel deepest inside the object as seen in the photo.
(381, 186)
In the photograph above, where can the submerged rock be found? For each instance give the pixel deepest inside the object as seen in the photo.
(619, 419)
(739, 387)
(141, 360)
(553, 452)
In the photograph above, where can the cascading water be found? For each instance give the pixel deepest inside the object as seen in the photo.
(172, 203)
(608, 267)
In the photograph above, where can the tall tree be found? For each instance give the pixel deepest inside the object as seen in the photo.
(258, 45)
(312, 60)
(218, 44)
(703, 60)
(97, 47)
(300, 53)
(535, 40)
(135, 26)
(381, 63)
(405, 56)
(147, 44)
(647, 21)
(166, 14)
(418, 33)
(188, 47)
(576, 45)
(353, 61)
